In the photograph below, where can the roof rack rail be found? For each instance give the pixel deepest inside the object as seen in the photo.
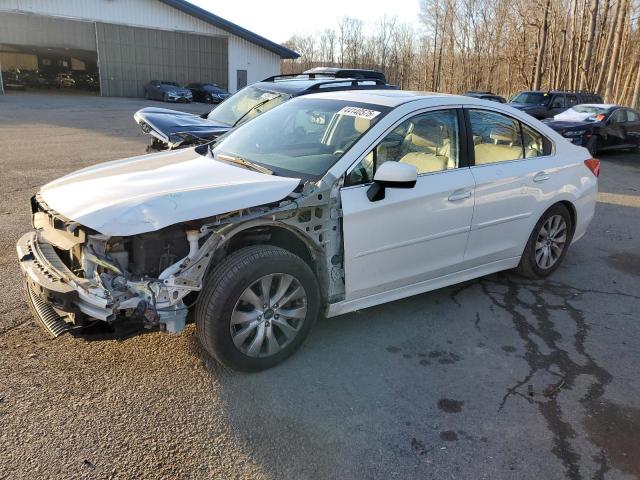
(330, 72)
(355, 82)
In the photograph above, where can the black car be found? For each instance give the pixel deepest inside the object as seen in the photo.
(38, 79)
(599, 127)
(208, 92)
(546, 104)
(486, 96)
(87, 81)
(173, 129)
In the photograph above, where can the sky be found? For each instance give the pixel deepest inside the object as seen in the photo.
(278, 20)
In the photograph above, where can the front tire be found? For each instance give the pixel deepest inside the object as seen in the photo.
(547, 244)
(592, 145)
(257, 307)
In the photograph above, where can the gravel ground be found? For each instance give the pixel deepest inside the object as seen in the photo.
(498, 378)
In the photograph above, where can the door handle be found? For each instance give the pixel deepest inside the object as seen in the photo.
(460, 195)
(541, 177)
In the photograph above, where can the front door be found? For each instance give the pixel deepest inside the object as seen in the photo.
(416, 234)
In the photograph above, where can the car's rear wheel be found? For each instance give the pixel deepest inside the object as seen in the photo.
(257, 307)
(547, 244)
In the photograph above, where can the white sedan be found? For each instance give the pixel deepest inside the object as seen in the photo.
(327, 204)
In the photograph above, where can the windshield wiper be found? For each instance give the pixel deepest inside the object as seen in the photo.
(244, 163)
(257, 105)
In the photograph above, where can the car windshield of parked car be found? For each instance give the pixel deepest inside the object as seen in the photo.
(592, 109)
(248, 103)
(302, 138)
(530, 98)
(213, 87)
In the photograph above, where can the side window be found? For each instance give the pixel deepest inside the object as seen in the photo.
(535, 144)
(571, 101)
(619, 116)
(496, 137)
(429, 141)
(632, 116)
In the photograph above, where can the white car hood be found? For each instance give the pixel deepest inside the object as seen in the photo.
(150, 192)
(571, 116)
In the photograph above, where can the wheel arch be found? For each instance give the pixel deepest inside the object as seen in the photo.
(572, 212)
(276, 234)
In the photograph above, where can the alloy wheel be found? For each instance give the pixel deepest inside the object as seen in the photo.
(551, 241)
(268, 315)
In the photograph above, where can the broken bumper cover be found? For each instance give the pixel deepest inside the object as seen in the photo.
(51, 283)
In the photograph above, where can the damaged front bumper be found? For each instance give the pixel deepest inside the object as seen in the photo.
(50, 283)
(60, 299)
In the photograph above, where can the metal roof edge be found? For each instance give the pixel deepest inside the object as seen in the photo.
(230, 27)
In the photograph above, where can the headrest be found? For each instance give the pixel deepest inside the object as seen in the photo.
(504, 134)
(429, 127)
(361, 124)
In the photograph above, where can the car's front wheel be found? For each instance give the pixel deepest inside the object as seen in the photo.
(592, 145)
(257, 307)
(547, 244)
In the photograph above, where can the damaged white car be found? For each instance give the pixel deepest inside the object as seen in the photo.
(329, 203)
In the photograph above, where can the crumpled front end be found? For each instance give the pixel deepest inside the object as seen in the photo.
(75, 276)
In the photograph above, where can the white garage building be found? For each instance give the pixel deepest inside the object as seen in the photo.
(130, 42)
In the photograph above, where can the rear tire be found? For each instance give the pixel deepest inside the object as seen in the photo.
(233, 323)
(547, 244)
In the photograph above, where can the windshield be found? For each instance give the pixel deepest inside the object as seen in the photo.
(302, 138)
(171, 84)
(531, 98)
(248, 103)
(590, 109)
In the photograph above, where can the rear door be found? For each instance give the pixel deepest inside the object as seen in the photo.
(514, 169)
(633, 127)
(558, 105)
(414, 234)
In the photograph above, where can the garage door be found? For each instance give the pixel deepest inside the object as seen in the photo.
(37, 31)
(129, 57)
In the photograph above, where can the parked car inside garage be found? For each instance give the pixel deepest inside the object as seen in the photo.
(173, 129)
(12, 81)
(599, 127)
(315, 207)
(166, 91)
(546, 104)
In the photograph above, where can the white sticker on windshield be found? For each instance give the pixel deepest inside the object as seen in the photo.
(268, 96)
(359, 112)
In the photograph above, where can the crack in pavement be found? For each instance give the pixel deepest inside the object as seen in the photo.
(555, 361)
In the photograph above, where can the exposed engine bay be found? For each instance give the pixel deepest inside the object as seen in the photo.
(155, 277)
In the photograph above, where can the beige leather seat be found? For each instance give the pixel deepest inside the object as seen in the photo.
(503, 148)
(426, 162)
(427, 146)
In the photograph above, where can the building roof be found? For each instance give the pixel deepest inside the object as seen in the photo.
(230, 27)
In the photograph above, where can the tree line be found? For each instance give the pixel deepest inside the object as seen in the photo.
(501, 46)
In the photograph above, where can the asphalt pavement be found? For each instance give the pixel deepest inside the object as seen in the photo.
(497, 378)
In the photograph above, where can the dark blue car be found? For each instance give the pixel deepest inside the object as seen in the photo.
(599, 127)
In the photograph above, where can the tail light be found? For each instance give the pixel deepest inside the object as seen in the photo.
(593, 164)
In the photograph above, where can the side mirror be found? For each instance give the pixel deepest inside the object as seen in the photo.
(392, 175)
